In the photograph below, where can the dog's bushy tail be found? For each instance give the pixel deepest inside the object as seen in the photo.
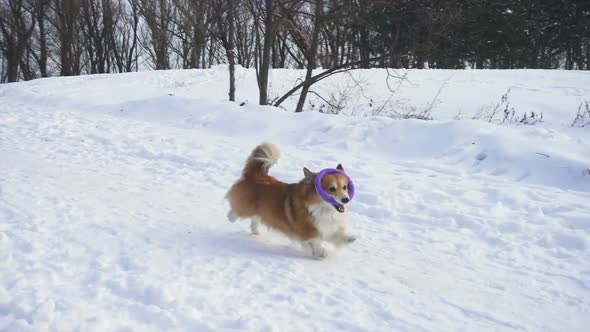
(261, 159)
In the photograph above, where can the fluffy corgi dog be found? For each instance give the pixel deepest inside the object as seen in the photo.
(295, 209)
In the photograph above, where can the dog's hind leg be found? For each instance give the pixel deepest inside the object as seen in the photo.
(232, 216)
(255, 225)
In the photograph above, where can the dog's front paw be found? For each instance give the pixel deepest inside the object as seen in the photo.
(319, 253)
(351, 238)
(317, 250)
(342, 239)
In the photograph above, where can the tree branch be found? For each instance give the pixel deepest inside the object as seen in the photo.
(327, 73)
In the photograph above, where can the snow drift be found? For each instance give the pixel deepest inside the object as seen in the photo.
(112, 214)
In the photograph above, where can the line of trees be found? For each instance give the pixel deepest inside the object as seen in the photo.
(40, 38)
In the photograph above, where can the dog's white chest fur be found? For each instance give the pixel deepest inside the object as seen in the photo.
(328, 221)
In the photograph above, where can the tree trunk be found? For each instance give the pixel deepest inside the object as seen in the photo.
(364, 48)
(15, 36)
(269, 36)
(67, 13)
(304, 90)
(133, 48)
(43, 54)
(231, 52)
(12, 64)
(311, 56)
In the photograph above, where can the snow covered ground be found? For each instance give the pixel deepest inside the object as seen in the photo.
(112, 215)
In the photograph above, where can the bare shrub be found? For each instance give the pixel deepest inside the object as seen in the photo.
(510, 117)
(490, 113)
(334, 104)
(582, 118)
(504, 113)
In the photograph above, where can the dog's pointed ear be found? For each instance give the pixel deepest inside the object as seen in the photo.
(307, 173)
(340, 168)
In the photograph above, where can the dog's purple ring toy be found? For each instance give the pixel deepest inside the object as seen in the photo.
(324, 195)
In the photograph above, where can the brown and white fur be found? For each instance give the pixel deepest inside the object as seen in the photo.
(294, 209)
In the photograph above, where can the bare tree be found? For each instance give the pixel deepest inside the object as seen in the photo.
(265, 23)
(230, 49)
(269, 16)
(72, 37)
(244, 35)
(65, 19)
(17, 22)
(325, 74)
(98, 28)
(124, 37)
(2, 65)
(308, 42)
(190, 29)
(225, 32)
(40, 52)
(158, 16)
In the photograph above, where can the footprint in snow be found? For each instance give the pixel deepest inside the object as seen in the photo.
(569, 242)
(481, 156)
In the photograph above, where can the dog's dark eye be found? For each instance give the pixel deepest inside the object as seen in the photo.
(332, 189)
(344, 187)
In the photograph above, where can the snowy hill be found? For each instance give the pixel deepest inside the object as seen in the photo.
(112, 214)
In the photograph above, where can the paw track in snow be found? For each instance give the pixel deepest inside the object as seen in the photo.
(481, 156)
